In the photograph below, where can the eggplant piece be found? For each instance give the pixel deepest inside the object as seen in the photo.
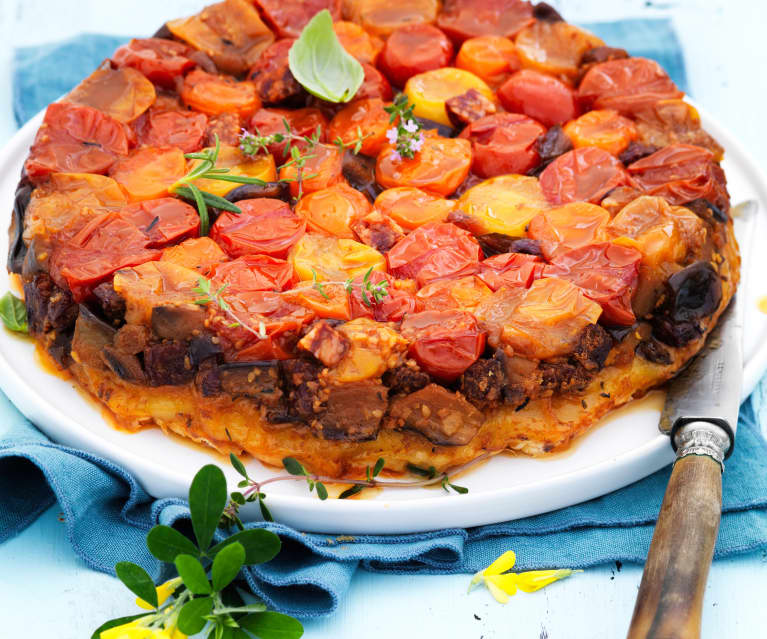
(258, 380)
(132, 338)
(110, 302)
(497, 243)
(653, 351)
(125, 365)
(546, 13)
(360, 171)
(354, 412)
(693, 293)
(203, 348)
(91, 336)
(17, 249)
(178, 321)
(275, 190)
(483, 383)
(405, 379)
(707, 211)
(164, 33)
(168, 363)
(635, 151)
(443, 130)
(49, 308)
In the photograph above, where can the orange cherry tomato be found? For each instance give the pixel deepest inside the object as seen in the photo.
(163, 221)
(510, 269)
(265, 226)
(463, 19)
(271, 74)
(434, 251)
(626, 85)
(374, 85)
(323, 169)
(358, 42)
(149, 172)
(123, 94)
(491, 58)
(607, 273)
(411, 207)
(605, 129)
(391, 308)
(412, 49)
(568, 227)
(183, 129)
(540, 96)
(503, 143)
(381, 17)
(287, 18)
(253, 273)
(334, 304)
(362, 118)
(75, 139)
(555, 48)
(214, 94)
(333, 210)
(160, 60)
(302, 122)
(440, 166)
(196, 253)
(582, 175)
(462, 294)
(444, 343)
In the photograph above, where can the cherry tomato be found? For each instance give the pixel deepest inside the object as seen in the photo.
(230, 32)
(230, 157)
(568, 227)
(374, 85)
(302, 122)
(491, 58)
(435, 251)
(462, 294)
(428, 91)
(411, 207)
(381, 17)
(540, 96)
(364, 119)
(149, 172)
(503, 143)
(626, 85)
(358, 42)
(463, 19)
(582, 175)
(253, 273)
(605, 129)
(391, 308)
(607, 273)
(265, 226)
(333, 259)
(75, 139)
(331, 303)
(160, 60)
(555, 48)
(214, 94)
(444, 343)
(333, 210)
(323, 169)
(196, 253)
(123, 94)
(681, 173)
(182, 129)
(287, 18)
(227, 127)
(412, 49)
(164, 221)
(440, 166)
(510, 269)
(271, 74)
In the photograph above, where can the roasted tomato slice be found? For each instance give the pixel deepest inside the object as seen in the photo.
(413, 49)
(331, 303)
(607, 273)
(75, 139)
(463, 19)
(333, 210)
(582, 175)
(231, 157)
(333, 259)
(288, 17)
(214, 94)
(358, 42)
(435, 251)
(462, 294)
(149, 172)
(362, 119)
(605, 129)
(444, 343)
(627, 85)
(265, 226)
(392, 306)
(381, 17)
(253, 273)
(540, 96)
(302, 122)
(271, 74)
(197, 253)
(164, 221)
(681, 173)
(183, 129)
(374, 85)
(411, 207)
(323, 169)
(160, 60)
(430, 90)
(568, 227)
(503, 143)
(510, 269)
(123, 94)
(492, 58)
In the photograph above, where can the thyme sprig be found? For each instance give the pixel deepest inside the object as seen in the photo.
(208, 296)
(406, 135)
(368, 289)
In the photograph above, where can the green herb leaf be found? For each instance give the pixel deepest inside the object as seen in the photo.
(193, 574)
(293, 466)
(321, 65)
(166, 543)
(207, 500)
(265, 513)
(322, 492)
(260, 545)
(351, 491)
(238, 465)
(272, 625)
(238, 498)
(461, 490)
(378, 467)
(202, 209)
(227, 564)
(429, 472)
(113, 623)
(138, 581)
(13, 312)
(191, 619)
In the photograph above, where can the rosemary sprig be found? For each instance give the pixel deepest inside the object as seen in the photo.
(371, 292)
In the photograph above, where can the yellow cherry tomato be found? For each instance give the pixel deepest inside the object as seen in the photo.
(149, 172)
(332, 258)
(429, 91)
(230, 157)
(411, 207)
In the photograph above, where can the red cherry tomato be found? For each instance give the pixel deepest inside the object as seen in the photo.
(413, 49)
(160, 60)
(215, 94)
(374, 85)
(303, 122)
(164, 221)
(264, 226)
(606, 273)
(392, 307)
(366, 117)
(271, 74)
(586, 174)
(444, 343)
(540, 96)
(510, 269)
(626, 85)
(435, 251)
(183, 129)
(323, 168)
(503, 143)
(681, 173)
(463, 19)
(75, 139)
(288, 17)
(253, 273)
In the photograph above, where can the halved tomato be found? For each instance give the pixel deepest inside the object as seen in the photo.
(323, 168)
(214, 94)
(232, 158)
(510, 269)
(463, 19)
(381, 17)
(164, 221)
(568, 227)
(374, 85)
(333, 210)
(160, 60)
(149, 172)
(362, 119)
(428, 91)
(411, 207)
(333, 259)
(413, 49)
(582, 175)
(392, 306)
(302, 122)
(183, 129)
(462, 294)
(330, 303)
(253, 273)
(358, 42)
(123, 94)
(540, 96)
(555, 48)
(197, 253)
(491, 58)
(605, 129)
(287, 18)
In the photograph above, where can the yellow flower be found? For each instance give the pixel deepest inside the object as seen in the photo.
(502, 584)
(163, 592)
(137, 630)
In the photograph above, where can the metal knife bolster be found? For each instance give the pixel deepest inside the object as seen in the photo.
(713, 438)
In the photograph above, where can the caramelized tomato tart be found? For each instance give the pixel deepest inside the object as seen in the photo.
(533, 232)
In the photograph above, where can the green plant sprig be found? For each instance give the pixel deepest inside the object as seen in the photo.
(406, 135)
(13, 313)
(207, 295)
(205, 595)
(368, 289)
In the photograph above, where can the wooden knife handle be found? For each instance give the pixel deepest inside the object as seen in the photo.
(670, 598)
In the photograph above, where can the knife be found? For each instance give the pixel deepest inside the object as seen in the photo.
(700, 416)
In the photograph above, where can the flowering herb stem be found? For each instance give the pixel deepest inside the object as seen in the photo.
(406, 136)
(208, 296)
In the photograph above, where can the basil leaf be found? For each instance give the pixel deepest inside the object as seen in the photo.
(13, 312)
(321, 65)
(113, 623)
(138, 581)
(207, 500)
(191, 619)
(193, 574)
(227, 564)
(260, 545)
(272, 625)
(166, 543)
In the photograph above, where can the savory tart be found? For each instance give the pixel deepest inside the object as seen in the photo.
(480, 230)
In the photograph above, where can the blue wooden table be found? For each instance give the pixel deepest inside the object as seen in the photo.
(45, 591)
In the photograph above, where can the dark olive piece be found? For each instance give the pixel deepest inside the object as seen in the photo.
(443, 130)
(546, 13)
(635, 152)
(550, 146)
(653, 351)
(602, 54)
(497, 243)
(164, 33)
(693, 293)
(707, 211)
(276, 190)
(360, 171)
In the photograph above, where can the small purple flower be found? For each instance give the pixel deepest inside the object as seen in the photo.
(411, 126)
(417, 143)
(392, 135)
(396, 156)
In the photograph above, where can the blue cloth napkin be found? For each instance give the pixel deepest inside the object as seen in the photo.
(107, 514)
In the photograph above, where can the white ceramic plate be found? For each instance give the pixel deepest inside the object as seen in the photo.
(625, 447)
